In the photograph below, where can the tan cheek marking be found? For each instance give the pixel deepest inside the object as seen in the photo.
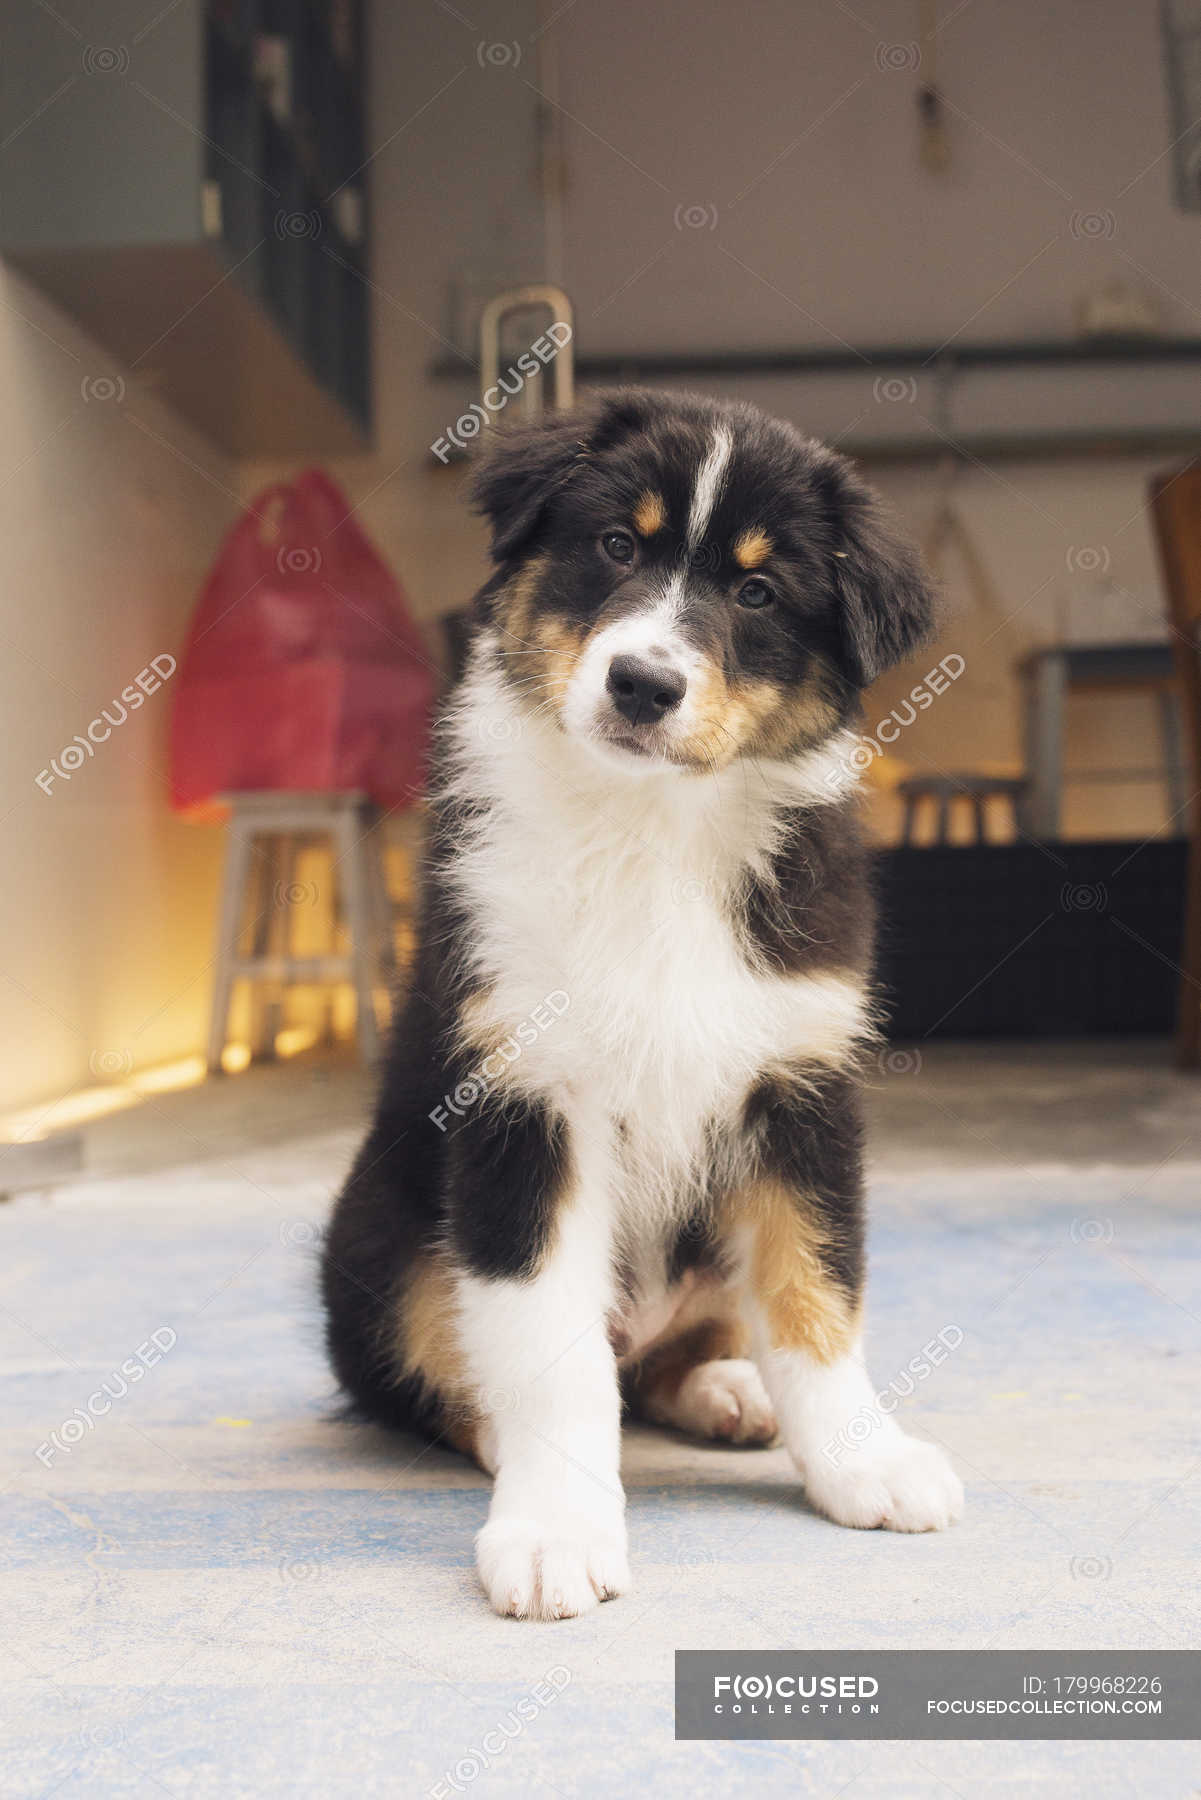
(513, 605)
(561, 647)
(524, 634)
(753, 548)
(756, 716)
(650, 514)
(797, 719)
(804, 1307)
(728, 715)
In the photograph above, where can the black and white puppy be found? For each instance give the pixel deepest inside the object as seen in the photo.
(617, 1149)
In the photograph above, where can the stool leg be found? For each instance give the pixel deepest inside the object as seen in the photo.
(270, 929)
(909, 820)
(352, 873)
(233, 895)
(942, 834)
(981, 818)
(1045, 686)
(280, 931)
(381, 903)
(1173, 752)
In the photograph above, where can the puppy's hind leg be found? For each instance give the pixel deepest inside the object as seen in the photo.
(531, 1222)
(702, 1382)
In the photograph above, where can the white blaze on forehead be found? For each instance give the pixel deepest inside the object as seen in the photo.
(709, 478)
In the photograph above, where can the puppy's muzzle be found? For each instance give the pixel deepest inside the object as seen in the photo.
(644, 691)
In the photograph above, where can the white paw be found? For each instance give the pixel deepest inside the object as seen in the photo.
(724, 1399)
(894, 1481)
(550, 1569)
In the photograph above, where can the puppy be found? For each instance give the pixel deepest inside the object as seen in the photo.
(616, 1154)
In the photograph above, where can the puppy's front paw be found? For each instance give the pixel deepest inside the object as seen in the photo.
(550, 1569)
(894, 1481)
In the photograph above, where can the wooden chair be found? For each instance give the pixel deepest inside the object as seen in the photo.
(1176, 509)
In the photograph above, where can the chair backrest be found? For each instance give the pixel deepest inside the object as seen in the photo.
(1176, 510)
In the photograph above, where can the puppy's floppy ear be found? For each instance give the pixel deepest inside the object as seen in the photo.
(887, 603)
(520, 474)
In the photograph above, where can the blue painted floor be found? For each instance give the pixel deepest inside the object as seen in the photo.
(217, 1590)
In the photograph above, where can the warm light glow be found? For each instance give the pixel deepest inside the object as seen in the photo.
(39, 1122)
(169, 1077)
(34, 1123)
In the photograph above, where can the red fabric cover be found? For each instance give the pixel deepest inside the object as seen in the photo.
(303, 668)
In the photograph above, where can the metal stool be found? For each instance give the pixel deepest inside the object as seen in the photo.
(946, 789)
(266, 830)
(1049, 675)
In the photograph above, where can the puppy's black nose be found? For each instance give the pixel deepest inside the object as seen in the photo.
(643, 691)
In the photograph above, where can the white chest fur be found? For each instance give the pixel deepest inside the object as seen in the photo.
(614, 895)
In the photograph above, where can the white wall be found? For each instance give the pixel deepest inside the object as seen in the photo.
(106, 528)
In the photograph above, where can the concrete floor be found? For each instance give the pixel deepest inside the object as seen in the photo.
(219, 1590)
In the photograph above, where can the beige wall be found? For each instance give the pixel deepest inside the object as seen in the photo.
(1054, 549)
(106, 528)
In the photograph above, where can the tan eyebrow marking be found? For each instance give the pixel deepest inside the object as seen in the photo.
(752, 548)
(650, 514)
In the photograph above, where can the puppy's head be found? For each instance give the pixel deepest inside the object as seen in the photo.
(685, 582)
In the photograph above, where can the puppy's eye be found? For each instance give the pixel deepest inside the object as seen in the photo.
(755, 594)
(618, 546)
